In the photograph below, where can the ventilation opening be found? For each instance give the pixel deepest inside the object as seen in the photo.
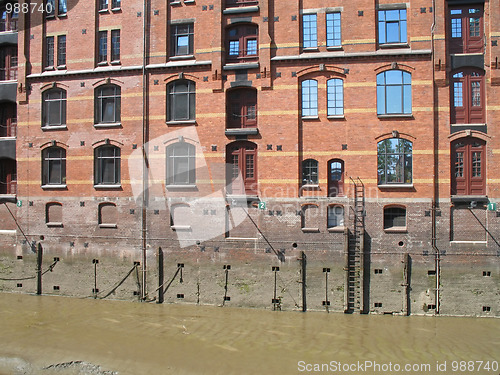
(431, 307)
(378, 304)
(486, 308)
(19, 285)
(487, 273)
(19, 257)
(431, 272)
(401, 243)
(180, 295)
(56, 287)
(378, 270)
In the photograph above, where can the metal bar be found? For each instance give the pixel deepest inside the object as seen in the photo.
(160, 276)
(39, 257)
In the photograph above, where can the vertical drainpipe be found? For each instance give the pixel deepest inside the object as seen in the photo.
(436, 168)
(144, 154)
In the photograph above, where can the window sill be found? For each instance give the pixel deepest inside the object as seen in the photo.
(310, 187)
(8, 197)
(310, 118)
(483, 124)
(394, 45)
(108, 226)
(396, 230)
(103, 11)
(310, 49)
(339, 229)
(108, 125)
(62, 15)
(310, 230)
(61, 67)
(336, 117)
(189, 1)
(243, 9)
(468, 198)
(396, 186)
(49, 68)
(181, 122)
(55, 225)
(181, 57)
(241, 65)
(335, 48)
(115, 62)
(181, 228)
(102, 63)
(395, 115)
(54, 127)
(55, 186)
(114, 10)
(242, 131)
(470, 242)
(117, 186)
(175, 3)
(182, 187)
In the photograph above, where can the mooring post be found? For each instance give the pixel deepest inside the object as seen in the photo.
(95, 291)
(160, 276)
(304, 264)
(39, 257)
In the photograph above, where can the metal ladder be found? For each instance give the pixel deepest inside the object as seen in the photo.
(355, 250)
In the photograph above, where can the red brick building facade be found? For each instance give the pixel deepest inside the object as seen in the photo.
(248, 133)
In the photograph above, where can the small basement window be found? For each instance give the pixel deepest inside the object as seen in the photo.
(394, 218)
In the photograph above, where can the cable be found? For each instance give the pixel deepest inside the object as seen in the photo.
(15, 220)
(119, 283)
(51, 267)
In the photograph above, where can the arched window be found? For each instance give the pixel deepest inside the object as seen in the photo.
(393, 92)
(310, 172)
(107, 163)
(181, 164)
(335, 97)
(309, 98)
(107, 104)
(107, 215)
(394, 217)
(335, 216)
(241, 108)
(242, 43)
(394, 161)
(467, 97)
(181, 100)
(53, 166)
(54, 107)
(241, 160)
(468, 167)
(335, 178)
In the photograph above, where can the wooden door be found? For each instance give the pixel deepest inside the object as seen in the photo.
(242, 168)
(468, 167)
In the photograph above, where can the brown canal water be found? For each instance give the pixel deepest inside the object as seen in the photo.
(50, 335)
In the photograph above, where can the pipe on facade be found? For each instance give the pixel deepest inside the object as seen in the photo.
(435, 196)
(144, 153)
